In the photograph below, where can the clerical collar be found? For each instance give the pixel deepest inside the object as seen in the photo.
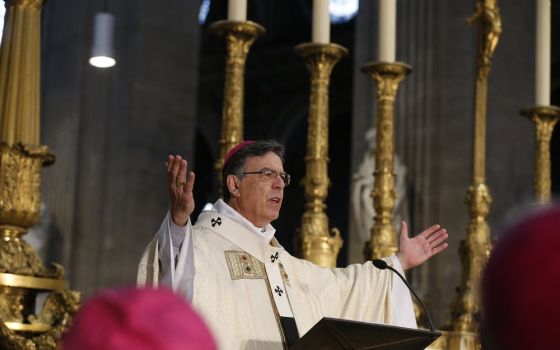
(264, 233)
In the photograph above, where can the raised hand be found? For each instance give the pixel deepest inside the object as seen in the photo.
(414, 251)
(180, 185)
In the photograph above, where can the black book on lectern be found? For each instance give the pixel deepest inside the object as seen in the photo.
(334, 334)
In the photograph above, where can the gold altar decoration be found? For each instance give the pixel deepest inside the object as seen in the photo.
(544, 118)
(474, 251)
(24, 280)
(316, 242)
(387, 77)
(239, 37)
(19, 73)
(439, 344)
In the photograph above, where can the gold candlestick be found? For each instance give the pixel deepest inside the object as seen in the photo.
(20, 74)
(544, 118)
(22, 274)
(475, 250)
(239, 37)
(387, 77)
(317, 243)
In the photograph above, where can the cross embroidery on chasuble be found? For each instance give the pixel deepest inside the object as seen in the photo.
(279, 291)
(217, 221)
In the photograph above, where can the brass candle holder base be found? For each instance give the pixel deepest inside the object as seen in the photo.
(387, 77)
(329, 54)
(440, 343)
(317, 243)
(462, 331)
(544, 118)
(22, 273)
(458, 340)
(239, 37)
(246, 30)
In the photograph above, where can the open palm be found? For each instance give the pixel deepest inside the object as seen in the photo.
(180, 185)
(414, 251)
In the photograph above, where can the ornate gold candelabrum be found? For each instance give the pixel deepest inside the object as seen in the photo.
(387, 77)
(475, 250)
(22, 274)
(544, 118)
(239, 37)
(316, 242)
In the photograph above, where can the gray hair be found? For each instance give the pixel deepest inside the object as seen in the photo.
(236, 163)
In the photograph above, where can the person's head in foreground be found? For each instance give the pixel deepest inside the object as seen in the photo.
(139, 319)
(521, 286)
(253, 180)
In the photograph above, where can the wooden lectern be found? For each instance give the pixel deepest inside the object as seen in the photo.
(335, 334)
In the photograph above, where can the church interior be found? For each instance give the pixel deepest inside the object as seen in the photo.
(111, 129)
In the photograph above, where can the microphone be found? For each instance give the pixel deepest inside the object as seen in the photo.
(382, 265)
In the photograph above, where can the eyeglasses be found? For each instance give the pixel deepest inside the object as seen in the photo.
(270, 174)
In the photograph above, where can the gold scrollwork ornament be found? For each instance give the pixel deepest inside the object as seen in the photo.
(58, 310)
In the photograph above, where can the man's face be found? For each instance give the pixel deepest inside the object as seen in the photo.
(259, 198)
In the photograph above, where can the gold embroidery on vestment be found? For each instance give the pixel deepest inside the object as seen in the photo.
(284, 275)
(244, 266)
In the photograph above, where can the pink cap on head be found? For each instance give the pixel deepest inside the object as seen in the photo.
(521, 285)
(139, 319)
(235, 149)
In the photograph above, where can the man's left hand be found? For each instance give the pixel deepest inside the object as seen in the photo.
(414, 251)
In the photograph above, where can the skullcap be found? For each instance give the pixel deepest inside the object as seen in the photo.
(235, 149)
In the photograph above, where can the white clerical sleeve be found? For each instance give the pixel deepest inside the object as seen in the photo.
(403, 310)
(176, 255)
(358, 292)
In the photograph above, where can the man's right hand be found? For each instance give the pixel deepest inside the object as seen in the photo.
(180, 184)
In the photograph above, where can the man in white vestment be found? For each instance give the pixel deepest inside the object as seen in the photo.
(251, 292)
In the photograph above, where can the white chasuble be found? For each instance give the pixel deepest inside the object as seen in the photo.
(241, 286)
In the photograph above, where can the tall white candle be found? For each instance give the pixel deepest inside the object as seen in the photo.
(387, 30)
(321, 28)
(542, 74)
(237, 10)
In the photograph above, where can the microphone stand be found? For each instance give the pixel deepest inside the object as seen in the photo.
(382, 265)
